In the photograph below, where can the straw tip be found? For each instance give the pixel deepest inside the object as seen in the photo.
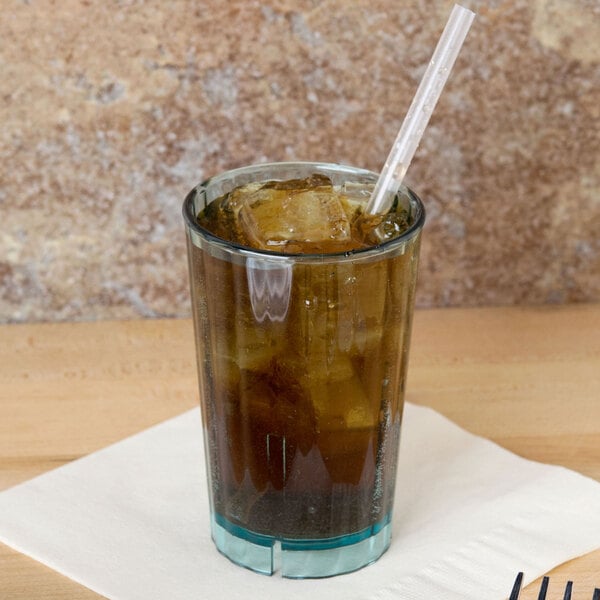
(467, 12)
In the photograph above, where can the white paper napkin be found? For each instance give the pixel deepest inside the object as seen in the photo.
(131, 521)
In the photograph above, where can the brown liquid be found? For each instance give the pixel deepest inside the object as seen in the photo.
(301, 216)
(302, 375)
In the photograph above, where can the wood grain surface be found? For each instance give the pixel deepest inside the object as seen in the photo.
(526, 378)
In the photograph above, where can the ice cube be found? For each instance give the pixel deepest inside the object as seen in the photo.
(355, 197)
(222, 216)
(348, 423)
(295, 216)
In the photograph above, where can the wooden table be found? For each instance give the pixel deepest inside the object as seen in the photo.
(527, 378)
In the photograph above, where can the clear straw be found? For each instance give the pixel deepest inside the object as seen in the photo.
(420, 110)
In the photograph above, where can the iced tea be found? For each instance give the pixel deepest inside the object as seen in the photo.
(302, 307)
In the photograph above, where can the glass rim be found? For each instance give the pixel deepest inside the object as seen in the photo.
(248, 251)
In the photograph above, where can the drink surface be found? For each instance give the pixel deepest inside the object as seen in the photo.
(302, 216)
(302, 365)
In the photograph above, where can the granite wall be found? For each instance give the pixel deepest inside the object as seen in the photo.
(111, 110)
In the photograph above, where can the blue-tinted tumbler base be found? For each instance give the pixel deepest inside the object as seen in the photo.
(296, 558)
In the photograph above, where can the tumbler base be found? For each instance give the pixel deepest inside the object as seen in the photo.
(299, 558)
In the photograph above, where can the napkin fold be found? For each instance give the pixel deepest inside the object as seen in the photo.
(131, 521)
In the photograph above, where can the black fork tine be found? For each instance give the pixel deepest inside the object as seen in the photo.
(514, 595)
(543, 589)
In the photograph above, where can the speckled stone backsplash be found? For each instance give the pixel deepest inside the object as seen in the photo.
(111, 111)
